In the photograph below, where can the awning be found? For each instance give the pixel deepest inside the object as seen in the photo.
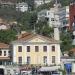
(46, 69)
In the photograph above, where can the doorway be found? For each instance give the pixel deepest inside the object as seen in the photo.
(1, 71)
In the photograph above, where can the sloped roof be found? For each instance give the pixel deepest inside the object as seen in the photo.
(3, 45)
(30, 36)
(73, 49)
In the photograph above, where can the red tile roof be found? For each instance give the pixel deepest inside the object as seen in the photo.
(3, 45)
(73, 49)
(28, 36)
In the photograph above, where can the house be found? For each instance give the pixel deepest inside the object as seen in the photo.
(22, 7)
(62, 16)
(5, 57)
(36, 49)
(40, 2)
(4, 26)
(46, 15)
(49, 15)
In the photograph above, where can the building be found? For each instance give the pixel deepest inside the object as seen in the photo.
(46, 15)
(5, 57)
(40, 2)
(22, 7)
(49, 15)
(72, 20)
(72, 14)
(36, 49)
(62, 16)
(4, 26)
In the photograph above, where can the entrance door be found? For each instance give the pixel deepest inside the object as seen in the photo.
(1, 71)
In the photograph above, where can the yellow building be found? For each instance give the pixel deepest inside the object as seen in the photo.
(36, 49)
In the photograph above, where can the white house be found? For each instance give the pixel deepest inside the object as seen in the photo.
(62, 15)
(4, 26)
(40, 2)
(49, 15)
(22, 7)
(4, 54)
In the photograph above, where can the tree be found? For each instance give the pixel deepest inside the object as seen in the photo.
(43, 28)
(7, 36)
(66, 38)
(65, 2)
(27, 20)
(45, 6)
(30, 4)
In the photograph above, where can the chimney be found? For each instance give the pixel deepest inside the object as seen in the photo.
(56, 22)
(56, 33)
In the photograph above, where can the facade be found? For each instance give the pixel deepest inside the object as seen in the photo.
(62, 16)
(40, 2)
(72, 14)
(4, 54)
(36, 49)
(48, 15)
(72, 20)
(22, 7)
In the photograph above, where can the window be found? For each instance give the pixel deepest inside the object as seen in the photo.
(45, 59)
(36, 48)
(52, 19)
(0, 52)
(9, 53)
(28, 59)
(28, 48)
(8, 71)
(4, 53)
(20, 60)
(53, 48)
(19, 48)
(74, 17)
(48, 13)
(45, 48)
(53, 59)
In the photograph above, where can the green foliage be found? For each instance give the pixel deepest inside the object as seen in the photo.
(7, 36)
(65, 2)
(45, 6)
(27, 20)
(66, 39)
(63, 71)
(43, 28)
(9, 12)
